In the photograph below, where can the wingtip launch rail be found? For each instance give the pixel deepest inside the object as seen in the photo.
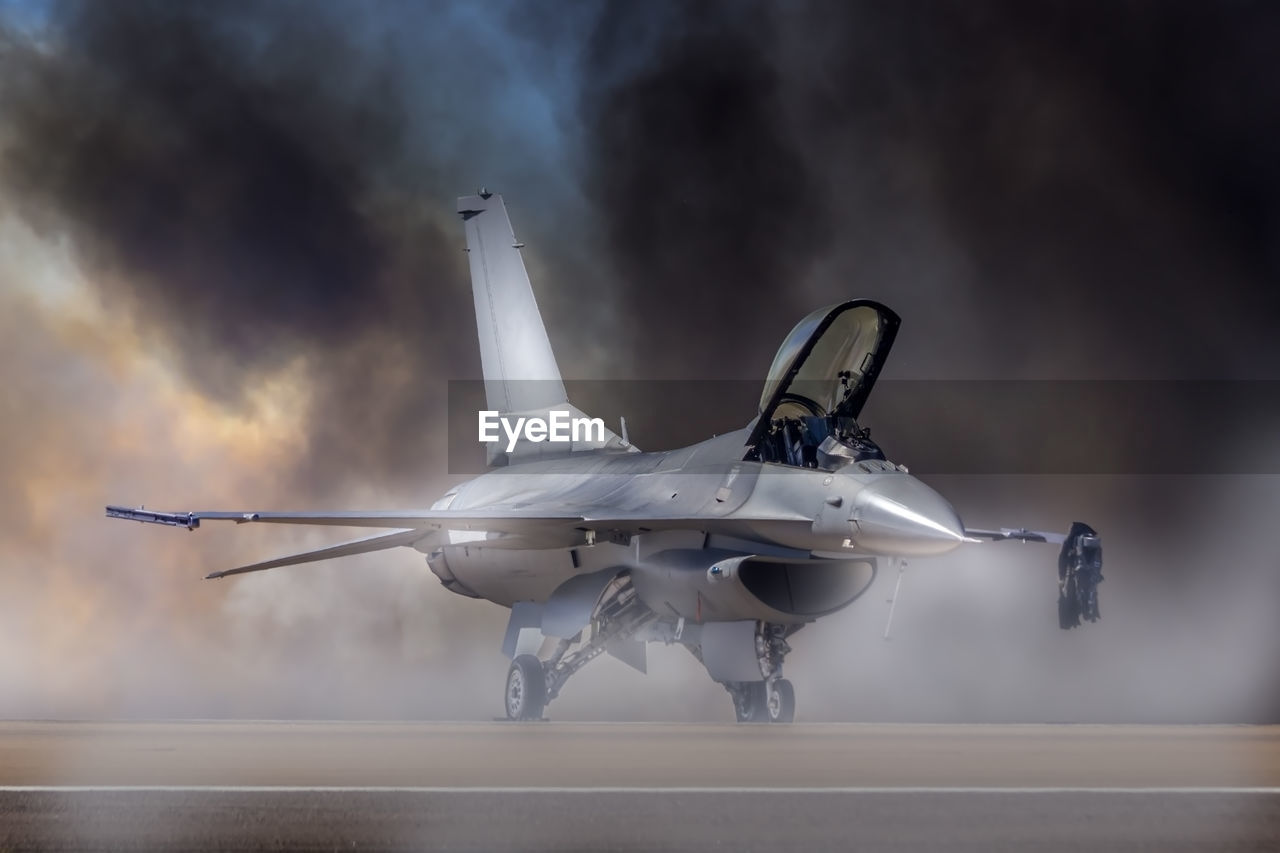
(189, 520)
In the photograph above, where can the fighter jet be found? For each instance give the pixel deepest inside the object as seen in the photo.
(727, 547)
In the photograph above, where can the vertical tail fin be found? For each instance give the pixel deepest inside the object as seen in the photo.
(520, 372)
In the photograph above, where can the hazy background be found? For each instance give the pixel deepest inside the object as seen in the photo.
(231, 277)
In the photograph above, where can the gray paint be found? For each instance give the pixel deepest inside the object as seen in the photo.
(728, 651)
(569, 608)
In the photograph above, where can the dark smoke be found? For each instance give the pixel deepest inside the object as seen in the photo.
(230, 171)
(1057, 189)
(711, 211)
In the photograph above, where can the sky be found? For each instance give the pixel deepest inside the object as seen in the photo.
(231, 276)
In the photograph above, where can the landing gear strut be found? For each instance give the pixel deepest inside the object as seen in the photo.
(773, 699)
(532, 683)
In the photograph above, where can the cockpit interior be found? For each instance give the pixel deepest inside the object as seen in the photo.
(817, 386)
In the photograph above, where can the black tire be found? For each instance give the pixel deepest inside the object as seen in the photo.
(526, 693)
(780, 706)
(753, 707)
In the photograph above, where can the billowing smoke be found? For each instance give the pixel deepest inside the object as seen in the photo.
(1053, 187)
(229, 176)
(237, 197)
(232, 276)
(712, 212)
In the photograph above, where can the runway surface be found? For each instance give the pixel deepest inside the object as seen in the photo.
(553, 786)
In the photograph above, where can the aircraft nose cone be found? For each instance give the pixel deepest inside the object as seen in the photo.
(901, 516)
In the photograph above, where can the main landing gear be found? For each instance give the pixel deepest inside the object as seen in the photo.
(763, 701)
(533, 683)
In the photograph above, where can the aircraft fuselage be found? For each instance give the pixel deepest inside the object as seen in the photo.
(829, 526)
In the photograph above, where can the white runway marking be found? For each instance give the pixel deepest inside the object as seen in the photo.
(344, 789)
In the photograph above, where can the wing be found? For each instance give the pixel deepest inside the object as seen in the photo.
(1020, 534)
(1079, 567)
(508, 521)
(512, 527)
(504, 528)
(511, 522)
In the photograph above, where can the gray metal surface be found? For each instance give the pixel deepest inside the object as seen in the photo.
(519, 367)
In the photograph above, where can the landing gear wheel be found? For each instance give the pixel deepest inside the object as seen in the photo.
(780, 707)
(751, 702)
(526, 694)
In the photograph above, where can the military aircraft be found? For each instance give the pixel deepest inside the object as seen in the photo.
(727, 547)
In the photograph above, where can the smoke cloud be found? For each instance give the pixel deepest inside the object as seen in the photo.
(230, 275)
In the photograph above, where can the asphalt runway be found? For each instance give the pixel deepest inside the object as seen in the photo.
(571, 786)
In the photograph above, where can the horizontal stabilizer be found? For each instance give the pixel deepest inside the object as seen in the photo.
(379, 542)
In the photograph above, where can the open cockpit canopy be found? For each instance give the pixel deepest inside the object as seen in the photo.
(823, 373)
